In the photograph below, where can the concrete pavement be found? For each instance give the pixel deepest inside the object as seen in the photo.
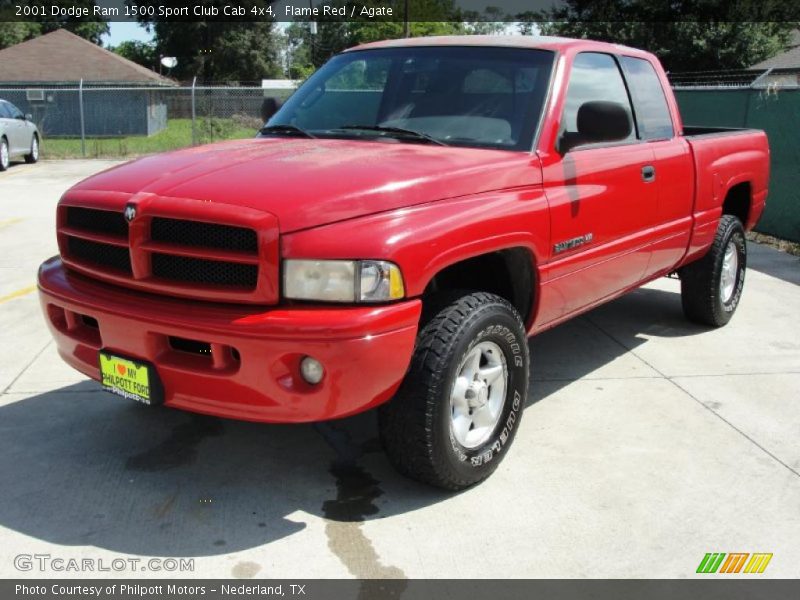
(648, 442)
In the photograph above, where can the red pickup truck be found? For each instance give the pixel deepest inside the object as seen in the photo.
(397, 230)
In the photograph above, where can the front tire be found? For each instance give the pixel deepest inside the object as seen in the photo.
(711, 287)
(33, 157)
(459, 407)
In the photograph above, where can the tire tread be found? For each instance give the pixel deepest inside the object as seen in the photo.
(407, 422)
(699, 286)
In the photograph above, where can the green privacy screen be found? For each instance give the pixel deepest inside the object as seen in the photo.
(778, 113)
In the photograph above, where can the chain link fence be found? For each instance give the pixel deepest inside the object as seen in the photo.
(107, 122)
(774, 78)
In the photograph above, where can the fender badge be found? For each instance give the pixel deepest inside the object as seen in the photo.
(573, 243)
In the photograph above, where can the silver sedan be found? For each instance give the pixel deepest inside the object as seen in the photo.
(19, 137)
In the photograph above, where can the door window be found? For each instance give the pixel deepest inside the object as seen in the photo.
(594, 77)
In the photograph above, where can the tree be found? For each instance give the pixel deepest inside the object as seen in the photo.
(307, 51)
(220, 50)
(686, 36)
(299, 64)
(14, 32)
(143, 53)
(491, 22)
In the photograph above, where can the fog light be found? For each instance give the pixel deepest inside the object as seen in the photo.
(311, 370)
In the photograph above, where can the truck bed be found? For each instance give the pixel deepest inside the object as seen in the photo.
(725, 158)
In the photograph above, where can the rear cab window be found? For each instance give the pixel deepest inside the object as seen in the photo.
(653, 119)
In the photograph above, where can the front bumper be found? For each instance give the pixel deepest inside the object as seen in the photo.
(249, 369)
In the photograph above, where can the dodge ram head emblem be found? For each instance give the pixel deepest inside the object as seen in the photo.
(130, 213)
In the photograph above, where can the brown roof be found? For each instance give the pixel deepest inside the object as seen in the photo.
(788, 60)
(62, 56)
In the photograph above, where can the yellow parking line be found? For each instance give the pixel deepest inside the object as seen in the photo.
(17, 294)
(7, 222)
(10, 174)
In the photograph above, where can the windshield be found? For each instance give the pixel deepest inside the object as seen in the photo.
(462, 96)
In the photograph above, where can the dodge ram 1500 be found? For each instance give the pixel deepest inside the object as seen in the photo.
(397, 230)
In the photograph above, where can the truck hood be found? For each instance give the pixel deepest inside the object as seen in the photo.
(306, 183)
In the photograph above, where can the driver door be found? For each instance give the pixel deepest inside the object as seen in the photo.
(602, 201)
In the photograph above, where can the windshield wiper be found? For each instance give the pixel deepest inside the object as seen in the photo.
(286, 129)
(397, 130)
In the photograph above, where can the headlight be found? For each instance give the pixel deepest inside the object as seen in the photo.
(342, 280)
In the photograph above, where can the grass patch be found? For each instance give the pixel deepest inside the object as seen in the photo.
(792, 248)
(177, 134)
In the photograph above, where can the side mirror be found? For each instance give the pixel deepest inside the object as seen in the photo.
(603, 122)
(598, 121)
(269, 107)
(29, 117)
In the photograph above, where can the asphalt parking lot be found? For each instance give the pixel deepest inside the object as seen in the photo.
(648, 442)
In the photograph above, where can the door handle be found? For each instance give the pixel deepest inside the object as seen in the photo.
(648, 173)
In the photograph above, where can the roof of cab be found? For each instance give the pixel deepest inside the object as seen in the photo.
(504, 41)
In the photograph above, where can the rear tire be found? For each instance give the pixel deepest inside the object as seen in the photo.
(33, 157)
(459, 407)
(5, 156)
(712, 286)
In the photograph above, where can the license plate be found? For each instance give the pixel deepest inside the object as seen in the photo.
(130, 379)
